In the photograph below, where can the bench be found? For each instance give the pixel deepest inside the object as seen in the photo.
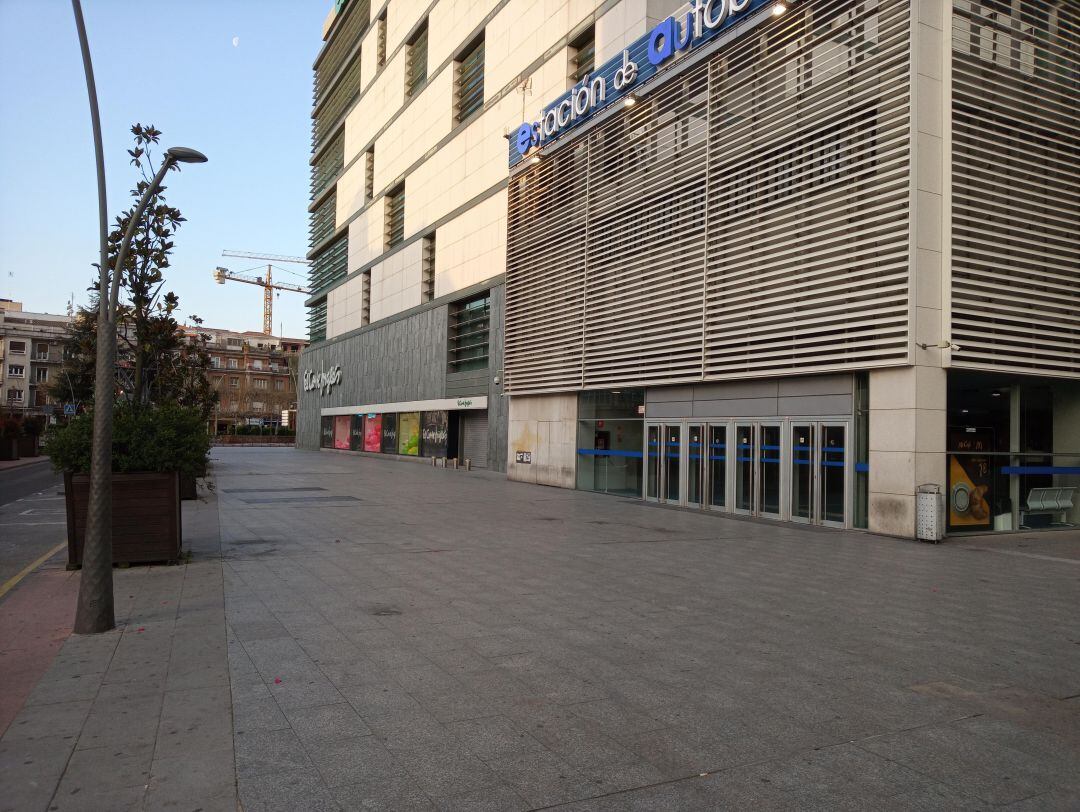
(1049, 502)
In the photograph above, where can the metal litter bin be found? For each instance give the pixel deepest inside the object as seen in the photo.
(929, 513)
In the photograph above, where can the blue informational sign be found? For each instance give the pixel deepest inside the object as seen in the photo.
(621, 75)
(69, 409)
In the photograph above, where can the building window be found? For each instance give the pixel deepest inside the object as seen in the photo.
(234, 342)
(41, 375)
(257, 363)
(395, 216)
(468, 333)
(15, 395)
(279, 386)
(234, 383)
(215, 362)
(17, 347)
(233, 363)
(369, 174)
(427, 269)
(256, 405)
(380, 40)
(260, 383)
(43, 352)
(469, 70)
(365, 298)
(416, 61)
(584, 56)
(16, 371)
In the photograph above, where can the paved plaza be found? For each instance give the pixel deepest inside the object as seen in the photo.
(370, 634)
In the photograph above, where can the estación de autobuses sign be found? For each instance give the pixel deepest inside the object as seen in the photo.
(618, 77)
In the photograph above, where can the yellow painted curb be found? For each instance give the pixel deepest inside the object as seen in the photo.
(11, 582)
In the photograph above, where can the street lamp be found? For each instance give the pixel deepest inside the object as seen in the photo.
(95, 609)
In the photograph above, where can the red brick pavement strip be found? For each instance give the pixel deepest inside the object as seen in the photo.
(35, 619)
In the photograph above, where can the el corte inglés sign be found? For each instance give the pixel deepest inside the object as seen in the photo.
(323, 380)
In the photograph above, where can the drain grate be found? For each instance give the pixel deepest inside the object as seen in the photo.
(269, 490)
(277, 500)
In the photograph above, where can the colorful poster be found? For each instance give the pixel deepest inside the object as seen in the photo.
(356, 433)
(342, 424)
(970, 488)
(373, 432)
(326, 432)
(408, 434)
(433, 434)
(389, 434)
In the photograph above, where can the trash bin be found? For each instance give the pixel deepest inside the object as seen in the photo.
(929, 513)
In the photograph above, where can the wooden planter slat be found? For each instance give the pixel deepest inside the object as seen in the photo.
(146, 517)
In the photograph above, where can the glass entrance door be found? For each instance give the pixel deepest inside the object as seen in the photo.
(769, 472)
(695, 465)
(672, 467)
(802, 472)
(652, 462)
(832, 466)
(818, 473)
(745, 452)
(717, 466)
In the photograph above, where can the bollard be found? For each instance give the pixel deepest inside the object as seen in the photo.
(455, 463)
(468, 464)
(434, 462)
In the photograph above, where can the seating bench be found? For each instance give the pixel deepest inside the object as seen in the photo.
(1049, 501)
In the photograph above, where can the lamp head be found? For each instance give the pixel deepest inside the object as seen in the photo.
(185, 155)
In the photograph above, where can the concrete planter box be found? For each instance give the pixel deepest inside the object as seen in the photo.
(9, 449)
(188, 489)
(28, 446)
(146, 517)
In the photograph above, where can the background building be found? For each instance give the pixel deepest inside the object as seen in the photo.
(31, 356)
(813, 256)
(254, 375)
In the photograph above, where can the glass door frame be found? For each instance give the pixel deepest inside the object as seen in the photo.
(728, 484)
(782, 452)
(849, 472)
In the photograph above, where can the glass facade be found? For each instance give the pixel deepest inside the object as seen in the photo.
(610, 438)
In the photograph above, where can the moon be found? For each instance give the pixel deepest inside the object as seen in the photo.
(236, 42)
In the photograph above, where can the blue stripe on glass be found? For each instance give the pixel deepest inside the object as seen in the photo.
(597, 452)
(862, 467)
(1040, 469)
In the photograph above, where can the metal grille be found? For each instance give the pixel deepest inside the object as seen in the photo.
(369, 174)
(470, 82)
(427, 282)
(330, 265)
(395, 217)
(747, 217)
(323, 220)
(327, 166)
(345, 37)
(467, 342)
(1016, 186)
(317, 322)
(326, 116)
(416, 61)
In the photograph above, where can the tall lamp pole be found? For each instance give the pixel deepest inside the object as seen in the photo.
(95, 609)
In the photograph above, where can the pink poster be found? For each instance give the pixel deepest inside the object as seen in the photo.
(373, 432)
(341, 431)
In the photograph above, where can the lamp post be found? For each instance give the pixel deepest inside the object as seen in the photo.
(95, 609)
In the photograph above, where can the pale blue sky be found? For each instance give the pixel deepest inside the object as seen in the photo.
(171, 63)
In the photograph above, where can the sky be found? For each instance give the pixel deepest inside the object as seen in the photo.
(231, 78)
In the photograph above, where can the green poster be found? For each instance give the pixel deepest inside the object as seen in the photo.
(408, 435)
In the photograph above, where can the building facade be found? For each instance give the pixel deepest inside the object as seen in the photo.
(31, 357)
(255, 376)
(790, 260)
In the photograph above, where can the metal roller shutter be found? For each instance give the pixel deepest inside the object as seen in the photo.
(474, 438)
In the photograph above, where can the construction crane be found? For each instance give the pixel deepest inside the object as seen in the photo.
(221, 275)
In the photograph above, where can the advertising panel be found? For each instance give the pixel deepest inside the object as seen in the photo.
(326, 433)
(433, 434)
(970, 479)
(356, 433)
(408, 434)
(389, 434)
(342, 424)
(373, 432)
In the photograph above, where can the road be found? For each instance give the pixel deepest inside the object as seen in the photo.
(32, 519)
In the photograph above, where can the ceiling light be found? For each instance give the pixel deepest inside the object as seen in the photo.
(778, 9)
(535, 159)
(630, 100)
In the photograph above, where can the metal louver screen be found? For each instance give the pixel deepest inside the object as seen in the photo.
(345, 37)
(1016, 186)
(323, 220)
(327, 166)
(747, 217)
(395, 218)
(327, 115)
(317, 322)
(471, 82)
(330, 265)
(416, 62)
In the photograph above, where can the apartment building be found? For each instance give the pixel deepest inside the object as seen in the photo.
(254, 375)
(31, 357)
(793, 260)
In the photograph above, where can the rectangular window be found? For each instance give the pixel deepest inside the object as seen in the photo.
(584, 56)
(468, 333)
(257, 363)
(232, 363)
(16, 371)
(257, 405)
(43, 352)
(234, 383)
(41, 375)
(260, 383)
(365, 299)
(18, 347)
(427, 278)
(416, 61)
(279, 386)
(395, 216)
(369, 175)
(15, 395)
(380, 40)
(469, 71)
(215, 362)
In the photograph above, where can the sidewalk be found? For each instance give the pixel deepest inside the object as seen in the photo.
(7, 465)
(138, 718)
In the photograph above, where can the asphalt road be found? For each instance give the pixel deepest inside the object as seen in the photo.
(32, 518)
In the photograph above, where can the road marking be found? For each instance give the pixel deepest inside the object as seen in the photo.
(27, 524)
(10, 583)
(1073, 561)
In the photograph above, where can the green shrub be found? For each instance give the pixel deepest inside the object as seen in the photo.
(152, 438)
